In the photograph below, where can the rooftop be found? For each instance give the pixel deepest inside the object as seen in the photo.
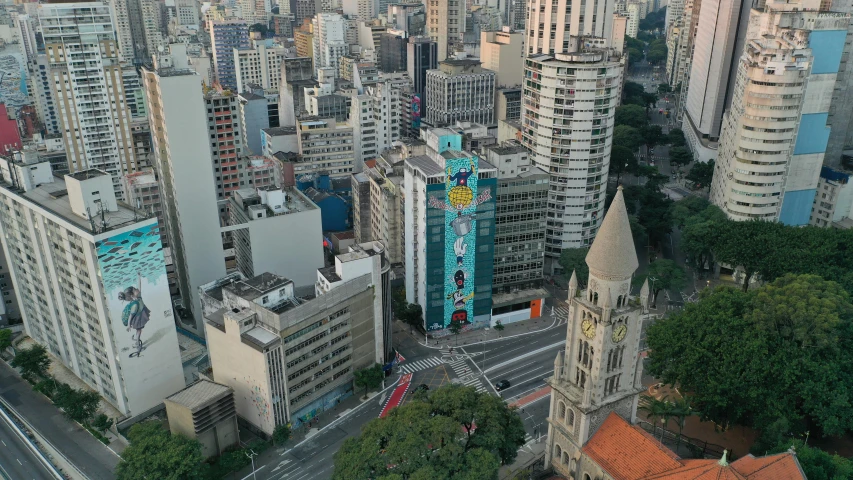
(330, 274)
(251, 96)
(612, 253)
(426, 165)
(275, 131)
(506, 149)
(257, 286)
(87, 174)
(200, 394)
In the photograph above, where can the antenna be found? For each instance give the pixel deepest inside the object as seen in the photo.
(91, 220)
(103, 217)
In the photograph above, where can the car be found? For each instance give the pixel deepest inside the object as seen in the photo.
(660, 110)
(502, 385)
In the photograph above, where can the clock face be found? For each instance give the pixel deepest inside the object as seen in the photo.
(588, 329)
(619, 333)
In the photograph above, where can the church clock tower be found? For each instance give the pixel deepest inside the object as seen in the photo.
(600, 369)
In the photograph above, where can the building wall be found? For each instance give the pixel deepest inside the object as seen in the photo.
(550, 30)
(225, 36)
(445, 107)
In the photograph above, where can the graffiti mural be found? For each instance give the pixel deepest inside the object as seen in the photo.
(416, 111)
(258, 398)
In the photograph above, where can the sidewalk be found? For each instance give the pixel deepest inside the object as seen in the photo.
(476, 337)
(528, 456)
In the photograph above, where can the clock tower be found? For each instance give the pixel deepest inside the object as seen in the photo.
(600, 369)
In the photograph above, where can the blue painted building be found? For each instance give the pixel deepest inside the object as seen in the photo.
(225, 36)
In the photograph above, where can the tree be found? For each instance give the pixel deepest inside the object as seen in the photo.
(664, 274)
(102, 423)
(32, 361)
(664, 88)
(628, 137)
(281, 434)
(752, 358)
(499, 327)
(649, 101)
(621, 160)
(654, 212)
(638, 231)
(680, 156)
(78, 405)
(455, 329)
(632, 89)
(259, 27)
(681, 409)
(46, 387)
(655, 410)
(687, 208)
(453, 433)
(412, 315)
(5, 339)
(631, 115)
(816, 463)
(370, 377)
(574, 260)
(656, 54)
(652, 135)
(675, 138)
(699, 233)
(155, 453)
(701, 173)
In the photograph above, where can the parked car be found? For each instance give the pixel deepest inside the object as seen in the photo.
(502, 385)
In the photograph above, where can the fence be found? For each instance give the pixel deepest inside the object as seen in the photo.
(697, 448)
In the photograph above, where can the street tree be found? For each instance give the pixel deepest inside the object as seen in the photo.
(281, 434)
(574, 260)
(5, 339)
(455, 329)
(453, 433)
(664, 88)
(680, 156)
(370, 377)
(631, 115)
(499, 326)
(675, 138)
(638, 231)
(698, 233)
(701, 173)
(654, 211)
(632, 90)
(628, 137)
(649, 100)
(32, 361)
(155, 453)
(412, 315)
(622, 160)
(663, 274)
(80, 405)
(752, 358)
(687, 208)
(745, 244)
(656, 410)
(652, 135)
(102, 423)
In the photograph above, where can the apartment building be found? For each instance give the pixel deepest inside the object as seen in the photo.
(225, 36)
(445, 24)
(460, 90)
(225, 138)
(325, 145)
(287, 357)
(833, 203)
(87, 87)
(260, 66)
(567, 125)
(80, 258)
(329, 40)
(554, 26)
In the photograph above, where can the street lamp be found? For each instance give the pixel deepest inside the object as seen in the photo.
(252, 458)
(654, 298)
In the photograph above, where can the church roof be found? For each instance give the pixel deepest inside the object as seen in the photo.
(612, 253)
(628, 452)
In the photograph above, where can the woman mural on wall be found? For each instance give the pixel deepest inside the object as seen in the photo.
(136, 314)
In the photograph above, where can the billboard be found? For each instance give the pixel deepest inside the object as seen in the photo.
(139, 308)
(416, 111)
(460, 237)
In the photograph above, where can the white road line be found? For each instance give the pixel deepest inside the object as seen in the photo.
(519, 368)
(521, 376)
(526, 355)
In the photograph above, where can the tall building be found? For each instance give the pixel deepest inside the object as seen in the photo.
(460, 90)
(449, 224)
(91, 283)
(361, 10)
(502, 52)
(325, 145)
(259, 65)
(87, 88)
(833, 203)
(552, 26)
(775, 134)
(225, 36)
(226, 139)
(567, 125)
(288, 358)
(138, 29)
(187, 12)
(600, 370)
(720, 36)
(445, 24)
(179, 126)
(421, 56)
(329, 40)
(392, 53)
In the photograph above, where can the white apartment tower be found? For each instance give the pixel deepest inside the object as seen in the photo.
(179, 130)
(86, 79)
(329, 40)
(80, 261)
(775, 134)
(445, 23)
(551, 24)
(260, 65)
(460, 90)
(567, 125)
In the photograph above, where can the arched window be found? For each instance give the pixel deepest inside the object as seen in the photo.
(558, 452)
(595, 298)
(562, 411)
(586, 476)
(570, 419)
(565, 458)
(619, 301)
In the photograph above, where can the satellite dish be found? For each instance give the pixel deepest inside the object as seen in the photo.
(160, 49)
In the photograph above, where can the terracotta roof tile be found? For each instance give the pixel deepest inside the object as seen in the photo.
(700, 470)
(783, 466)
(625, 452)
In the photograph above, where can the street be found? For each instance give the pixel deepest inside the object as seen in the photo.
(17, 461)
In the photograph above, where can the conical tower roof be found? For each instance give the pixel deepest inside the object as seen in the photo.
(612, 255)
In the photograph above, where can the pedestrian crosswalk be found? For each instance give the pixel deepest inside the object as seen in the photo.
(466, 376)
(419, 365)
(562, 314)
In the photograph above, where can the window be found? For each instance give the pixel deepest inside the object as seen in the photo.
(562, 410)
(570, 420)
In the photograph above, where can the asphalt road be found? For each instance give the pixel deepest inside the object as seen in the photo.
(17, 461)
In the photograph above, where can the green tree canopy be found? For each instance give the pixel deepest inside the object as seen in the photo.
(370, 377)
(752, 358)
(574, 260)
(5, 338)
(817, 464)
(632, 89)
(622, 160)
(701, 173)
(453, 433)
(652, 135)
(155, 453)
(32, 361)
(686, 208)
(663, 274)
(631, 115)
(628, 137)
(680, 156)
(102, 423)
(675, 138)
(78, 405)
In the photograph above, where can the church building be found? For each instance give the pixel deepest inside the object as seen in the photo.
(597, 381)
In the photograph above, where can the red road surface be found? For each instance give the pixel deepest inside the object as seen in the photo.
(395, 398)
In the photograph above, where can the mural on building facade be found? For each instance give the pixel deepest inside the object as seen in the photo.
(460, 238)
(416, 111)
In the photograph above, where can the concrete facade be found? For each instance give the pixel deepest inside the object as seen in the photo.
(460, 90)
(205, 411)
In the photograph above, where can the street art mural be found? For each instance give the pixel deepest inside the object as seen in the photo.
(460, 207)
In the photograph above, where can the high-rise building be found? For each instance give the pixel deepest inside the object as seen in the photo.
(551, 27)
(502, 52)
(421, 56)
(567, 125)
(225, 36)
(361, 10)
(296, 76)
(138, 29)
(833, 203)
(445, 23)
(259, 65)
(91, 283)
(720, 38)
(325, 145)
(87, 88)
(632, 12)
(187, 12)
(329, 40)
(392, 53)
(600, 370)
(407, 17)
(450, 233)
(775, 134)
(460, 90)
(179, 126)
(254, 118)
(226, 140)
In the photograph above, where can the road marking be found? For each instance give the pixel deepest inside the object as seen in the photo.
(419, 365)
(19, 462)
(519, 368)
(256, 471)
(4, 443)
(526, 355)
